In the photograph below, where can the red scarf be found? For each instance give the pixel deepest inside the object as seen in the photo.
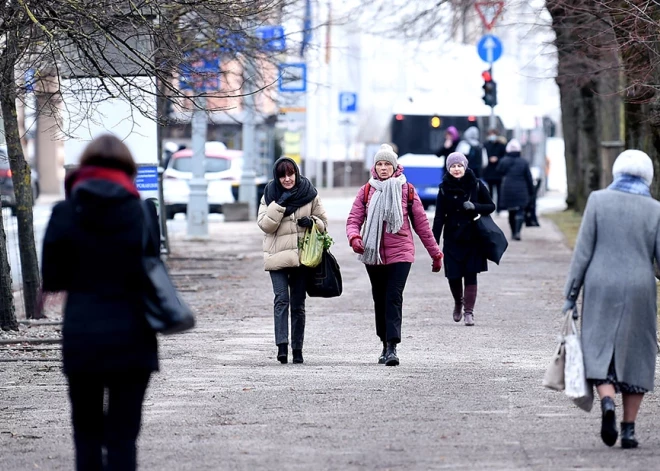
(99, 173)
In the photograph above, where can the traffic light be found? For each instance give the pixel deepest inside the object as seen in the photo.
(490, 89)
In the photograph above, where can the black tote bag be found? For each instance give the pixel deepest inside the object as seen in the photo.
(491, 238)
(324, 281)
(165, 310)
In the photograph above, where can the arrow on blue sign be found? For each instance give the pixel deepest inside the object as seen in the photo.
(489, 48)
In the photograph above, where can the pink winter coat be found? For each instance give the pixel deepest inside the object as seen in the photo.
(399, 247)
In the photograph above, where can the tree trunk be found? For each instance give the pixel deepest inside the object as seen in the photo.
(589, 139)
(7, 310)
(22, 185)
(569, 102)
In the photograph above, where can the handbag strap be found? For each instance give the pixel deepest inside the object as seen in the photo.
(146, 224)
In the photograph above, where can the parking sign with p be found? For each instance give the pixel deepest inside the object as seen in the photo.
(347, 102)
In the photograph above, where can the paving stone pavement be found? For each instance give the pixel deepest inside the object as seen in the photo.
(462, 398)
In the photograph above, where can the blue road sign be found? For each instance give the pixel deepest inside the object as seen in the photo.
(200, 71)
(272, 37)
(147, 178)
(489, 48)
(347, 102)
(293, 77)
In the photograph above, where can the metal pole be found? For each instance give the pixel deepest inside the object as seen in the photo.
(491, 120)
(198, 206)
(247, 192)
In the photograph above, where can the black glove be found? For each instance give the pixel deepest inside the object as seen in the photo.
(468, 205)
(305, 221)
(284, 198)
(568, 305)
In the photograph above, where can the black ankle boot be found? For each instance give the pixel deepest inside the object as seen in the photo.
(297, 355)
(390, 355)
(608, 431)
(282, 354)
(628, 439)
(383, 354)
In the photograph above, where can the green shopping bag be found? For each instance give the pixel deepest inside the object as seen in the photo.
(311, 247)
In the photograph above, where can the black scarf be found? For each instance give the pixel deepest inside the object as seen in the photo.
(466, 185)
(302, 193)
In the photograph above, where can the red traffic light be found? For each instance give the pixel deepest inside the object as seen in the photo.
(486, 75)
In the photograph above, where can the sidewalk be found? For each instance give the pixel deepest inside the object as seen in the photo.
(462, 398)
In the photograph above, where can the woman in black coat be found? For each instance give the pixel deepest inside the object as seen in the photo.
(93, 250)
(461, 199)
(517, 186)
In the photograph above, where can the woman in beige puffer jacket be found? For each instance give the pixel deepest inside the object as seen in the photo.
(289, 206)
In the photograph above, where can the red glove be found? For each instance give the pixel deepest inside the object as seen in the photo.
(437, 264)
(357, 245)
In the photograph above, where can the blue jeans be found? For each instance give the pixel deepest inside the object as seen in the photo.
(289, 290)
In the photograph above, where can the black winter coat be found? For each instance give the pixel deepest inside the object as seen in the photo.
(463, 255)
(517, 184)
(93, 250)
(493, 149)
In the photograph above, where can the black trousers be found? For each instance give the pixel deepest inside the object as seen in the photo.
(387, 285)
(114, 429)
(494, 190)
(289, 291)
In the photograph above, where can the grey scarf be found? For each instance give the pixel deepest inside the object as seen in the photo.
(386, 207)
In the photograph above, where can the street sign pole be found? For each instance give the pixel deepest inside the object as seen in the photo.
(198, 206)
(247, 191)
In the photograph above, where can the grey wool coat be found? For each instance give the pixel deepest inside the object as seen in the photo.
(613, 260)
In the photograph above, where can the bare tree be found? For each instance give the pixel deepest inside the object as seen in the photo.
(118, 42)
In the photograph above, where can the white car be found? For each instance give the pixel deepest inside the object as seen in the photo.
(222, 169)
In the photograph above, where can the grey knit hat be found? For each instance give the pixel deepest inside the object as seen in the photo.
(456, 158)
(387, 154)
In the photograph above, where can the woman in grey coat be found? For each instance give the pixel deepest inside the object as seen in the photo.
(613, 259)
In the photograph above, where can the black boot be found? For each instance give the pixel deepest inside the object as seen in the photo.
(469, 301)
(628, 439)
(297, 355)
(383, 354)
(282, 353)
(518, 224)
(390, 355)
(608, 431)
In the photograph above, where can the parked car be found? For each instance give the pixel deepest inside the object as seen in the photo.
(7, 185)
(221, 170)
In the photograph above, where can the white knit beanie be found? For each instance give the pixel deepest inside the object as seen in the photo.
(387, 154)
(634, 162)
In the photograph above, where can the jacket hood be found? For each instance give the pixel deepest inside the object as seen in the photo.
(103, 206)
(471, 135)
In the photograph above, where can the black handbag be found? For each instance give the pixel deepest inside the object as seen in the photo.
(165, 310)
(324, 281)
(491, 238)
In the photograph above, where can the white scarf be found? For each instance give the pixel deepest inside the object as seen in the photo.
(385, 207)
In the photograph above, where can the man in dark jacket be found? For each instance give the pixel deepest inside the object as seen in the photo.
(517, 186)
(495, 147)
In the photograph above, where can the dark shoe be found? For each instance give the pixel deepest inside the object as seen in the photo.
(383, 354)
(390, 355)
(282, 354)
(516, 236)
(628, 439)
(297, 355)
(458, 311)
(608, 431)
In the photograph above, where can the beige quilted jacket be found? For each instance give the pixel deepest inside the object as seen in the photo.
(282, 233)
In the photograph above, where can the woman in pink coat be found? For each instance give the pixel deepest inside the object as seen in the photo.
(379, 229)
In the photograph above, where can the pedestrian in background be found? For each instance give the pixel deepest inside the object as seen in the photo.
(461, 200)
(93, 251)
(471, 148)
(517, 186)
(380, 229)
(495, 150)
(452, 138)
(618, 242)
(290, 205)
